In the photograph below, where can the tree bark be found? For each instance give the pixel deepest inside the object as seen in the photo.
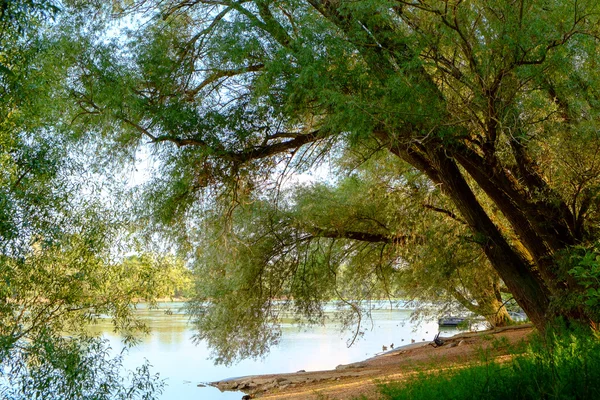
(540, 233)
(525, 284)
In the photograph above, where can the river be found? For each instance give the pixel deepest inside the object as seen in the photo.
(184, 365)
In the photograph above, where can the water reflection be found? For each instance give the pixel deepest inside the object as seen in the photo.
(170, 350)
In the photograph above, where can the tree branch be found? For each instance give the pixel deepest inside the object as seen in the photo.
(464, 301)
(275, 148)
(445, 212)
(218, 74)
(364, 236)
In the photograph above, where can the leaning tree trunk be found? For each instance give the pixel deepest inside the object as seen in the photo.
(526, 285)
(541, 235)
(531, 285)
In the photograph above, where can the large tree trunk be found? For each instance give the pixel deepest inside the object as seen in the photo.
(543, 228)
(541, 234)
(543, 224)
(525, 284)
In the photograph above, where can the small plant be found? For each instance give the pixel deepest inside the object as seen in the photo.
(500, 342)
(587, 274)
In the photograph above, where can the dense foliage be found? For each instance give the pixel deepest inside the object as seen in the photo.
(492, 104)
(370, 236)
(61, 241)
(462, 136)
(74, 368)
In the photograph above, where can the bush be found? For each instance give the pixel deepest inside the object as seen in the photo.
(78, 368)
(587, 273)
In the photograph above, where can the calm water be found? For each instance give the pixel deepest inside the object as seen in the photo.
(184, 365)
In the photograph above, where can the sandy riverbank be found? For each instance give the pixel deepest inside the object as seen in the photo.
(352, 380)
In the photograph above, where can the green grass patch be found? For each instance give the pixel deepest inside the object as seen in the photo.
(563, 364)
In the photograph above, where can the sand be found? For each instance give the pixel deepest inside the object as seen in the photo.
(361, 378)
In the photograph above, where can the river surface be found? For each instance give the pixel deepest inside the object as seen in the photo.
(184, 365)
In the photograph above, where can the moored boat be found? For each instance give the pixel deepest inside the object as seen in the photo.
(451, 321)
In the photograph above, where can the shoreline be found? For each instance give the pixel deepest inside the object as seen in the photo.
(354, 379)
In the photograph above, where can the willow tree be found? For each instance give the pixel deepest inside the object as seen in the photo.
(58, 237)
(365, 238)
(494, 101)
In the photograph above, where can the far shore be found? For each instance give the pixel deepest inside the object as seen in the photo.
(361, 378)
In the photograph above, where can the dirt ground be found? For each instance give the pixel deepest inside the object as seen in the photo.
(353, 380)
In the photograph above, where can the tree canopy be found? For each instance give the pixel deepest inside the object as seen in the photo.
(59, 235)
(477, 123)
(496, 107)
(375, 235)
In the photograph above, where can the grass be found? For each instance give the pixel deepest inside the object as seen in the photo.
(563, 364)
